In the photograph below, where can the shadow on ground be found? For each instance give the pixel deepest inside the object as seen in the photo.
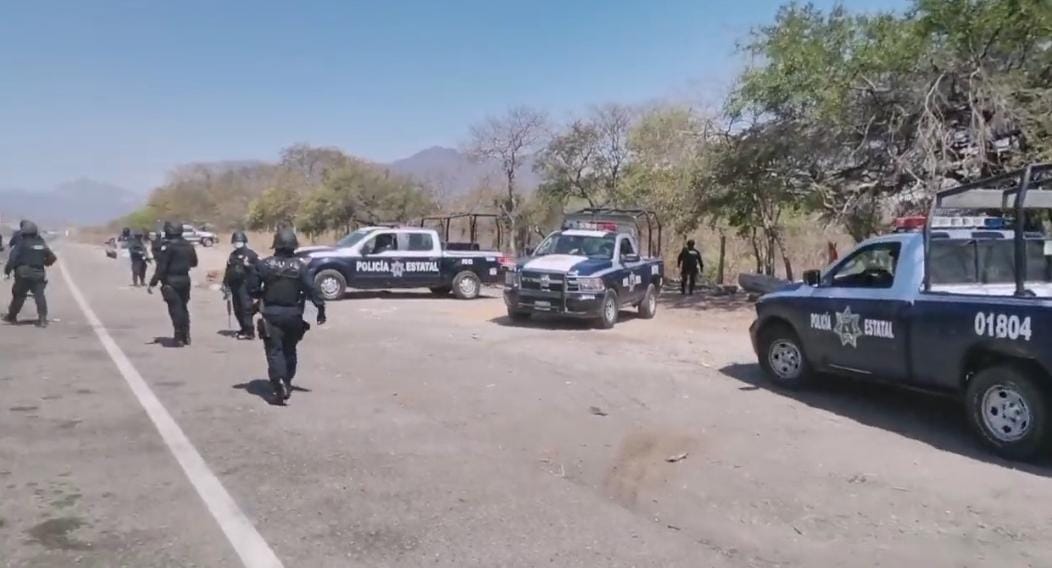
(262, 389)
(704, 300)
(938, 421)
(166, 342)
(227, 332)
(556, 322)
(410, 295)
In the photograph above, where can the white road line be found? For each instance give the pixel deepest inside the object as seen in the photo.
(246, 540)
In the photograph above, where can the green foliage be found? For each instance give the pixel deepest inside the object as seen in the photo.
(276, 207)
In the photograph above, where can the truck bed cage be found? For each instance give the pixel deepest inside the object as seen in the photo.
(446, 220)
(1018, 191)
(633, 216)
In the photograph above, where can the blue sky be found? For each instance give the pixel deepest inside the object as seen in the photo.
(121, 91)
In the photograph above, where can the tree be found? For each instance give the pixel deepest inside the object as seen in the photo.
(276, 207)
(508, 139)
(589, 159)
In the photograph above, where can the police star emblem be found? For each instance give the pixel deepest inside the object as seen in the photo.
(847, 328)
(397, 268)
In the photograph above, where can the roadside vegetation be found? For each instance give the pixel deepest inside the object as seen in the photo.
(837, 122)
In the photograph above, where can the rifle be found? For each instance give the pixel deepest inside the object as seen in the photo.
(229, 307)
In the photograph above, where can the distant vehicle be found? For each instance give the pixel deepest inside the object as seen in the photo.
(590, 269)
(116, 246)
(399, 257)
(955, 304)
(198, 236)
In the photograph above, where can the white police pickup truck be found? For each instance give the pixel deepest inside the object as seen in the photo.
(962, 307)
(590, 270)
(399, 257)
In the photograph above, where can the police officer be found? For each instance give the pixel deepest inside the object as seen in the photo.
(283, 286)
(240, 268)
(17, 235)
(690, 264)
(28, 259)
(139, 255)
(175, 258)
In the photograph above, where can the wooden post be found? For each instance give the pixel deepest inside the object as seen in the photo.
(723, 253)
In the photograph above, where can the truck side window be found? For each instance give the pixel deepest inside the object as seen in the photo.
(383, 242)
(871, 267)
(626, 247)
(420, 242)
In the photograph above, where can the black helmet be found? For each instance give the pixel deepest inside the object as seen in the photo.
(22, 224)
(285, 240)
(126, 232)
(238, 237)
(172, 230)
(136, 234)
(29, 228)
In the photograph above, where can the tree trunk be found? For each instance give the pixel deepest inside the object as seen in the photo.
(785, 256)
(756, 251)
(723, 256)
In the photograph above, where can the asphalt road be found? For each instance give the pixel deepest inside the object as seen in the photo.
(432, 432)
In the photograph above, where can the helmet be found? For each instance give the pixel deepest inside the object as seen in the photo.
(137, 234)
(238, 237)
(126, 232)
(29, 228)
(285, 240)
(172, 230)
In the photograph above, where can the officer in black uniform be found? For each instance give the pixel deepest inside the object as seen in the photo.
(284, 285)
(28, 259)
(175, 259)
(240, 268)
(17, 235)
(690, 263)
(137, 252)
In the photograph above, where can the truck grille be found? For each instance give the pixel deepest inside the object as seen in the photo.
(542, 281)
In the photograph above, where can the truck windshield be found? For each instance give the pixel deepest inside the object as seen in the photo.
(352, 238)
(581, 245)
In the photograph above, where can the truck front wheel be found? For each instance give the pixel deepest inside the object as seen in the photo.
(608, 311)
(1009, 411)
(331, 284)
(466, 285)
(782, 356)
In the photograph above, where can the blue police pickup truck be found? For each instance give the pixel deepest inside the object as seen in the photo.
(962, 306)
(590, 269)
(400, 257)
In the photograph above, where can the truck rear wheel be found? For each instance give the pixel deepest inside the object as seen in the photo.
(648, 306)
(466, 285)
(331, 284)
(608, 311)
(1009, 411)
(782, 356)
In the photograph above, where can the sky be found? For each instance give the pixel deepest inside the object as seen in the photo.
(123, 91)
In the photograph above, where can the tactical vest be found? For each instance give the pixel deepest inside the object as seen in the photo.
(282, 277)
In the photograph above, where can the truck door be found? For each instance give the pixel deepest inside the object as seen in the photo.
(632, 280)
(858, 317)
(376, 266)
(420, 257)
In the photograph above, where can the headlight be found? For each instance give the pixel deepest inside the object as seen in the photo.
(590, 284)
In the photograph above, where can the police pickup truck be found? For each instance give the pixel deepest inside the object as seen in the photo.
(399, 257)
(963, 306)
(590, 269)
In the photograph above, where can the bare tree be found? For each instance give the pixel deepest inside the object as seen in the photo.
(508, 139)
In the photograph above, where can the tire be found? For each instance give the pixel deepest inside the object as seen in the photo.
(782, 357)
(206, 242)
(608, 311)
(331, 284)
(648, 305)
(1009, 411)
(466, 285)
(441, 290)
(518, 315)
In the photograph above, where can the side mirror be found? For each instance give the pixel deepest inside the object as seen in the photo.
(630, 258)
(812, 277)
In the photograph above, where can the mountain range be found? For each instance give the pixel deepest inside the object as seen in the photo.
(78, 202)
(448, 172)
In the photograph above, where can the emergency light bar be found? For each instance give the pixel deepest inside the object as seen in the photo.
(591, 225)
(947, 222)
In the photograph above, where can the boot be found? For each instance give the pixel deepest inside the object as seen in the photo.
(42, 322)
(245, 335)
(9, 318)
(281, 391)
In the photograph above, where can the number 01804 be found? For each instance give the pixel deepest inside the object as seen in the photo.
(1002, 326)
